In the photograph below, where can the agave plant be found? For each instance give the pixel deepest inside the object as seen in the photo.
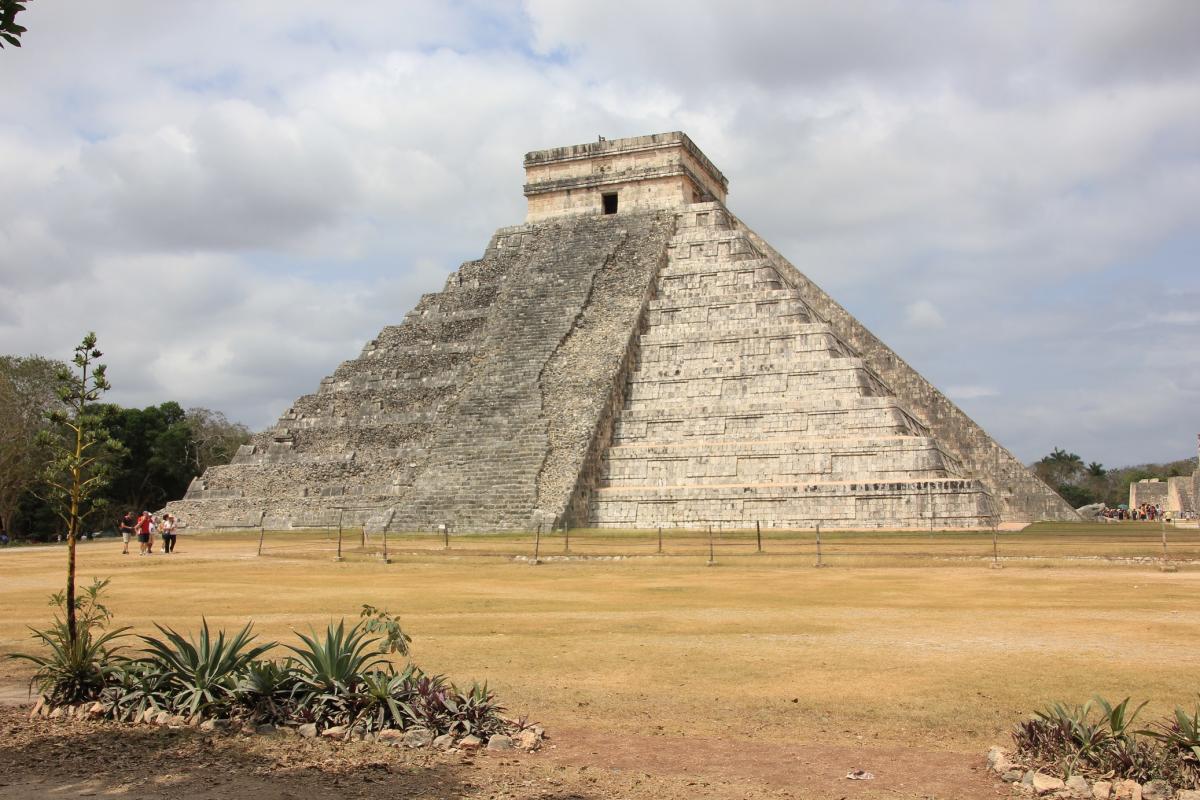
(266, 690)
(78, 670)
(338, 660)
(380, 696)
(205, 673)
(133, 687)
(330, 670)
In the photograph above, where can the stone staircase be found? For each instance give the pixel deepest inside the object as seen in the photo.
(745, 407)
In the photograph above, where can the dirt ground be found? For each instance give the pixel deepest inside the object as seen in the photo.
(87, 759)
(654, 677)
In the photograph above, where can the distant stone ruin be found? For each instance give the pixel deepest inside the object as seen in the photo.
(633, 355)
(1176, 495)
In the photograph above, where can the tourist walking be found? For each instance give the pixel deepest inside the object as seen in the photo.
(168, 533)
(142, 529)
(125, 526)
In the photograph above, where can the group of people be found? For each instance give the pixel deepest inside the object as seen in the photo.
(147, 527)
(1146, 512)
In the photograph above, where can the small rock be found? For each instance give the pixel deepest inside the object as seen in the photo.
(470, 743)
(177, 721)
(336, 732)
(1045, 784)
(1078, 786)
(1027, 778)
(444, 742)
(527, 740)
(1157, 790)
(208, 725)
(1013, 775)
(500, 742)
(148, 715)
(1188, 794)
(1101, 790)
(56, 712)
(1127, 790)
(997, 760)
(162, 717)
(418, 737)
(308, 730)
(390, 735)
(266, 729)
(96, 709)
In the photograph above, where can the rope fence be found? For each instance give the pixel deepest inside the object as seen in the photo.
(1134, 543)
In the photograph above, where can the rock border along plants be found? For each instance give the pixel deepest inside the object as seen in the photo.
(339, 685)
(1072, 752)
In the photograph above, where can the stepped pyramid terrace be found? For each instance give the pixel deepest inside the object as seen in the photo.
(632, 355)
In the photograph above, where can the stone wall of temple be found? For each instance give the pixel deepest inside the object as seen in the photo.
(745, 407)
(479, 410)
(1019, 494)
(1151, 490)
(661, 365)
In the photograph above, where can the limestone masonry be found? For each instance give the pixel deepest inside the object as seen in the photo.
(631, 356)
(1178, 496)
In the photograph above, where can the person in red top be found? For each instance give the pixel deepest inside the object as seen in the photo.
(143, 533)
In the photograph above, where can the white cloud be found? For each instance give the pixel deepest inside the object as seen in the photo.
(970, 392)
(923, 315)
(236, 219)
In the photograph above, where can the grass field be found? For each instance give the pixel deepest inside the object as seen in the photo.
(903, 637)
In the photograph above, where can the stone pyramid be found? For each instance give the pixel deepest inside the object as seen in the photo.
(631, 356)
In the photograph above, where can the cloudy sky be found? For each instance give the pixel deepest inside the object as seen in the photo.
(237, 195)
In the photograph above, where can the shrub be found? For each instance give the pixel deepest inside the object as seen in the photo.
(73, 672)
(267, 690)
(1098, 738)
(1180, 741)
(203, 674)
(342, 677)
(133, 687)
(339, 659)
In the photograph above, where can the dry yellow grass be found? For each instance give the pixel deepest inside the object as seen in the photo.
(904, 638)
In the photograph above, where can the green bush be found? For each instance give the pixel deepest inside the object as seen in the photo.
(73, 672)
(1099, 738)
(204, 674)
(339, 677)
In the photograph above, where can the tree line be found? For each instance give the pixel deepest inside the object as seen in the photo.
(1082, 484)
(150, 455)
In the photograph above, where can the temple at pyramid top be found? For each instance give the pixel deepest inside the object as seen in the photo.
(641, 173)
(634, 356)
